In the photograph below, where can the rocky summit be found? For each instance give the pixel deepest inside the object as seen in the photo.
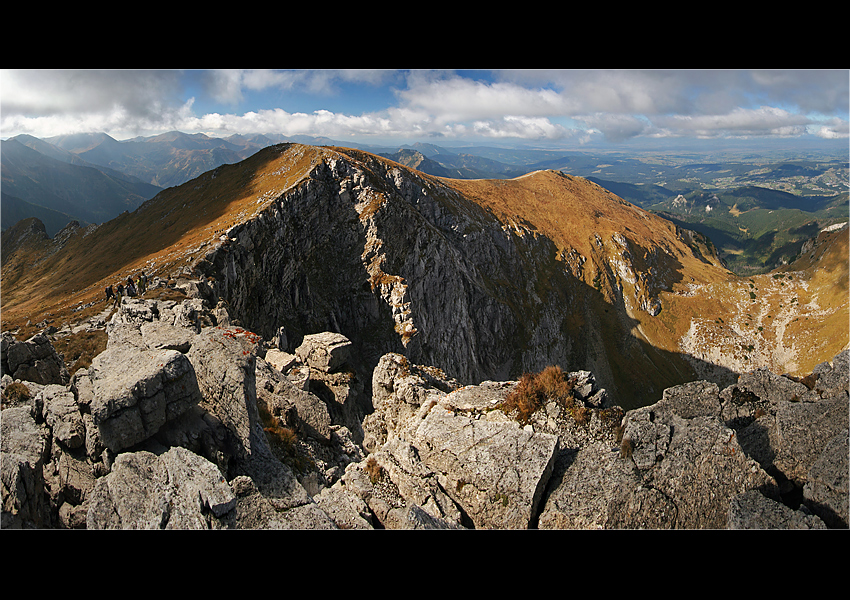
(331, 340)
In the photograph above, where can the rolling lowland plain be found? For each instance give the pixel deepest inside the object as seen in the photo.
(778, 299)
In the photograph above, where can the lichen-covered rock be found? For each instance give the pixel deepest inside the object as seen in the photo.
(255, 510)
(787, 425)
(754, 510)
(495, 471)
(62, 415)
(177, 490)
(224, 360)
(689, 470)
(399, 389)
(803, 431)
(584, 485)
(294, 406)
(826, 491)
(282, 361)
(348, 511)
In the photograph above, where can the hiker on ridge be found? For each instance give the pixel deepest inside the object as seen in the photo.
(120, 290)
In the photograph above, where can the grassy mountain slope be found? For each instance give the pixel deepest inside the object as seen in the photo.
(157, 238)
(788, 320)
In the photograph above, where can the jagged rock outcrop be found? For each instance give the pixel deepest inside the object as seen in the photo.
(798, 431)
(398, 263)
(692, 455)
(176, 490)
(33, 360)
(324, 351)
(254, 446)
(131, 393)
(21, 463)
(689, 461)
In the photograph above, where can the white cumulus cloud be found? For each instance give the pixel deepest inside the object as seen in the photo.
(528, 104)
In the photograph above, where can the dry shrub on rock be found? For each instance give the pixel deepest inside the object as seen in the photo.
(535, 389)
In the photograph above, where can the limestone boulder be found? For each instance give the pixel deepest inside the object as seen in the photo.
(754, 510)
(62, 415)
(673, 464)
(324, 351)
(791, 425)
(492, 468)
(687, 472)
(399, 389)
(156, 324)
(134, 392)
(257, 510)
(280, 360)
(225, 362)
(346, 510)
(368, 484)
(34, 360)
(296, 407)
(826, 491)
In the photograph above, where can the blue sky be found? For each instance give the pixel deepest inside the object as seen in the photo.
(571, 108)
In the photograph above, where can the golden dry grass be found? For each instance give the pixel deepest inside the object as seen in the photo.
(533, 391)
(571, 211)
(78, 349)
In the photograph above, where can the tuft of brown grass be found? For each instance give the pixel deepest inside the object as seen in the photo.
(581, 414)
(626, 447)
(533, 391)
(15, 393)
(373, 470)
(79, 349)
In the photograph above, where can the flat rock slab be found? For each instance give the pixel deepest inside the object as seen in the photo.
(495, 471)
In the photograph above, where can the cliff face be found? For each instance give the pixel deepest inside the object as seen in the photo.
(402, 262)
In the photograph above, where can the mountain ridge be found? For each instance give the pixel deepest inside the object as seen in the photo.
(480, 278)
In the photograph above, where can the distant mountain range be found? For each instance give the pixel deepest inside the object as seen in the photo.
(92, 178)
(54, 185)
